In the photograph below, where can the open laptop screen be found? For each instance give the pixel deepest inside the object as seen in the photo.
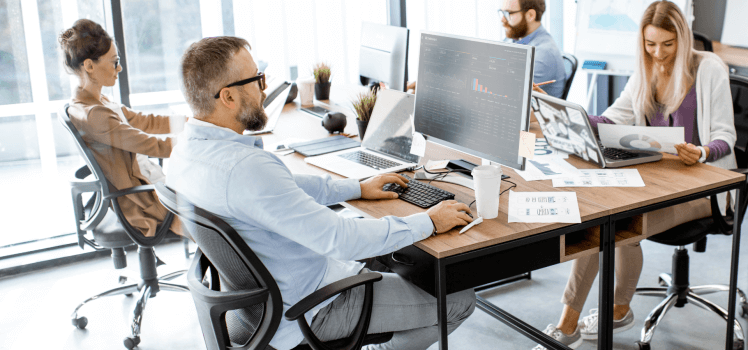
(390, 130)
(566, 127)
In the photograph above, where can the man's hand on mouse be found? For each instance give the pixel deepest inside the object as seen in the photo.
(449, 214)
(372, 187)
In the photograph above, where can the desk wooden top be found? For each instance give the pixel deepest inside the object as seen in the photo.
(731, 55)
(666, 179)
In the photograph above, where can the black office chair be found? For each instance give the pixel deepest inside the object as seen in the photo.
(675, 286)
(701, 42)
(570, 69)
(111, 230)
(226, 275)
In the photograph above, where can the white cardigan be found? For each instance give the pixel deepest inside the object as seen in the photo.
(714, 114)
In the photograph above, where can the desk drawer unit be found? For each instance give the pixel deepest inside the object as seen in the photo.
(419, 267)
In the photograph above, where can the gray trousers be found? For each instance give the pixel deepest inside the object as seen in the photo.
(399, 307)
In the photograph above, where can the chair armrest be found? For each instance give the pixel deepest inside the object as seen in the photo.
(228, 300)
(83, 172)
(329, 291)
(743, 171)
(131, 190)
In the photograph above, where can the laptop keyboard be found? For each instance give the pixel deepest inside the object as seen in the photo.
(369, 160)
(618, 154)
(419, 194)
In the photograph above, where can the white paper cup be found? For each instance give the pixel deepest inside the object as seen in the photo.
(306, 90)
(487, 182)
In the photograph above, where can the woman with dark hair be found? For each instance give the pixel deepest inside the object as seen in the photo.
(121, 139)
(673, 86)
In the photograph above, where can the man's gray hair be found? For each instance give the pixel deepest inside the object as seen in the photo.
(207, 68)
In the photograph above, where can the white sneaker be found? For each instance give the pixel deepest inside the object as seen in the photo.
(588, 325)
(572, 340)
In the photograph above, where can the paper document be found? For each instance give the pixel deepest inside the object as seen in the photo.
(418, 146)
(526, 144)
(545, 207)
(643, 138)
(548, 168)
(602, 178)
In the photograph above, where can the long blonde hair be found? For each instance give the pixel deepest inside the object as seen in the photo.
(665, 15)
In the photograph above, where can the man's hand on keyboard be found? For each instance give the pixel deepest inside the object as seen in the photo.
(449, 214)
(372, 187)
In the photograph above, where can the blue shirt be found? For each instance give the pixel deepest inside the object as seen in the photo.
(549, 64)
(282, 216)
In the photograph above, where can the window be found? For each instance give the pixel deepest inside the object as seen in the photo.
(36, 154)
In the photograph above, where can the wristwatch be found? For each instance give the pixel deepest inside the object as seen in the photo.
(703, 154)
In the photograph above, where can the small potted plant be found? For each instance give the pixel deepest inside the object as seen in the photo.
(363, 104)
(322, 81)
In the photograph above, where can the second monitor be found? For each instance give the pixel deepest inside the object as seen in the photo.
(384, 55)
(474, 95)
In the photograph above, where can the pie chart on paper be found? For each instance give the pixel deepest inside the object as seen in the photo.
(640, 142)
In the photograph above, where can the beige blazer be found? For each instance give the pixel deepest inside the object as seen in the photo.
(115, 143)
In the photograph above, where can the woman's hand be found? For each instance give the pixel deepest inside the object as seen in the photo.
(689, 153)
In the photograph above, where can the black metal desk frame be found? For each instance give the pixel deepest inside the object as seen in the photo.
(607, 248)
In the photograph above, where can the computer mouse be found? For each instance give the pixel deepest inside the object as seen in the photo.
(334, 121)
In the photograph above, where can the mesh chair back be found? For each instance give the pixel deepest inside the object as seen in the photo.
(701, 42)
(739, 90)
(238, 269)
(570, 69)
(99, 210)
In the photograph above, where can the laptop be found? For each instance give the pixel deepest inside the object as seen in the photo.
(566, 127)
(386, 144)
(273, 105)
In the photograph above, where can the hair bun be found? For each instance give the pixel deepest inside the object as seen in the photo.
(66, 35)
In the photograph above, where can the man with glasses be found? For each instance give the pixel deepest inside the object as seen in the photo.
(283, 217)
(521, 20)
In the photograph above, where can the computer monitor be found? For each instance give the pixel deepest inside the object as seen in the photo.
(384, 55)
(473, 95)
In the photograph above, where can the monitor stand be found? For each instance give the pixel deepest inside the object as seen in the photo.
(461, 164)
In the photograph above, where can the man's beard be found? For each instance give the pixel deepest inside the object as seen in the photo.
(252, 117)
(516, 32)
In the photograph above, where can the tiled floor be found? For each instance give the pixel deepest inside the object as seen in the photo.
(35, 308)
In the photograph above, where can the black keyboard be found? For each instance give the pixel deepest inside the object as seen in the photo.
(420, 194)
(618, 154)
(369, 160)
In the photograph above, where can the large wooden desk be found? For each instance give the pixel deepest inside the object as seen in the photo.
(496, 249)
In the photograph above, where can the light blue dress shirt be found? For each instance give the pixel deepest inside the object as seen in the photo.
(549, 64)
(282, 216)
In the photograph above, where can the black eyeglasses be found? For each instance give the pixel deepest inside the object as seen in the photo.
(507, 13)
(260, 76)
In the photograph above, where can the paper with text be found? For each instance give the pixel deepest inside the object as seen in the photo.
(602, 178)
(544, 207)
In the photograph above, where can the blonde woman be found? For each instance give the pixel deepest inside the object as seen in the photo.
(673, 86)
(121, 139)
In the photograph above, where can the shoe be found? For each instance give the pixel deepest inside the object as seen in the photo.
(588, 325)
(572, 340)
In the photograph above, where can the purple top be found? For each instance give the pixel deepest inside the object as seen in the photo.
(685, 116)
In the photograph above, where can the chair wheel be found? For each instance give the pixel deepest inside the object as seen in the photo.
(744, 310)
(80, 322)
(643, 346)
(661, 282)
(131, 342)
(128, 294)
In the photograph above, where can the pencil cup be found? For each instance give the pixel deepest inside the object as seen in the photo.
(486, 182)
(306, 91)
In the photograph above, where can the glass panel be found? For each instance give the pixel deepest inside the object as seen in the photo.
(23, 179)
(15, 85)
(156, 35)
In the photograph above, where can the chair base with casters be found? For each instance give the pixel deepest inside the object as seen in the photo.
(676, 290)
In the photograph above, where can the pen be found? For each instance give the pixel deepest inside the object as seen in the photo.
(544, 83)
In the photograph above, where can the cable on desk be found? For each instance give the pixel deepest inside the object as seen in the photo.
(502, 192)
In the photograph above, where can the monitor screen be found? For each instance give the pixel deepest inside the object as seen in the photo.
(384, 55)
(473, 95)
